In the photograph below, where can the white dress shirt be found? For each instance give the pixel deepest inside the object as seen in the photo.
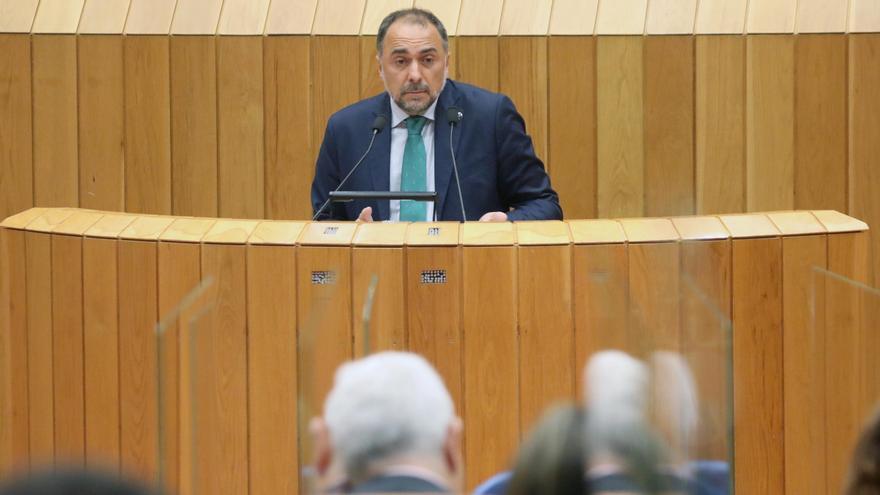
(398, 143)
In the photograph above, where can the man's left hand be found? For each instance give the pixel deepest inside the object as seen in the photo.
(494, 216)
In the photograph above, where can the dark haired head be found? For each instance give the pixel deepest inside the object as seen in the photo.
(421, 17)
(72, 481)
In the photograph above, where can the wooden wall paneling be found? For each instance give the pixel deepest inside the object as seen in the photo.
(482, 18)
(388, 316)
(771, 16)
(757, 365)
(546, 329)
(335, 80)
(104, 16)
(447, 11)
(864, 16)
(67, 348)
(339, 17)
(221, 374)
(804, 335)
(272, 369)
(291, 16)
(526, 17)
(15, 431)
(137, 287)
(376, 10)
(523, 77)
(846, 362)
(770, 123)
(478, 61)
(490, 344)
(654, 281)
(371, 82)
(669, 125)
(720, 96)
(101, 352)
(288, 126)
(620, 121)
(819, 16)
(16, 130)
(571, 115)
(147, 125)
(863, 129)
(101, 122)
(41, 410)
(671, 17)
(621, 17)
(705, 336)
(243, 17)
(240, 127)
(721, 17)
(196, 17)
(58, 16)
(193, 93)
(820, 122)
(150, 16)
(573, 17)
(17, 16)
(56, 176)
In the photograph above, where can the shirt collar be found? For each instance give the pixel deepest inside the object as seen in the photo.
(398, 114)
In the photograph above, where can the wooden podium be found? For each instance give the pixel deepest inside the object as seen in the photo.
(508, 313)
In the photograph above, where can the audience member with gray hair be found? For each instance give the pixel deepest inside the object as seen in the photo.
(389, 425)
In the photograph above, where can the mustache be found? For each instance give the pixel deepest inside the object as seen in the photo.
(411, 88)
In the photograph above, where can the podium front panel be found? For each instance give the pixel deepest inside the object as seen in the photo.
(654, 297)
(13, 294)
(387, 319)
(41, 410)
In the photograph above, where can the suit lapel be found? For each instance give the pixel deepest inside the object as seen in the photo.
(442, 157)
(378, 160)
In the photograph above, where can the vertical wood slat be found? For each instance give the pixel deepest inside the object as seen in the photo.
(335, 76)
(16, 130)
(288, 126)
(101, 352)
(804, 335)
(220, 388)
(138, 387)
(147, 125)
(371, 83)
(56, 176)
(571, 122)
(546, 329)
(478, 61)
(669, 125)
(489, 280)
(272, 370)
(240, 126)
(720, 124)
(41, 411)
(67, 348)
(523, 77)
(620, 120)
(770, 123)
(193, 98)
(388, 316)
(654, 319)
(101, 122)
(757, 366)
(820, 122)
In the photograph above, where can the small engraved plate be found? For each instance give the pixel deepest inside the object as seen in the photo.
(433, 277)
(325, 277)
(331, 230)
(433, 231)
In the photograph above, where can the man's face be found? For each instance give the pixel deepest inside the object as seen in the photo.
(413, 65)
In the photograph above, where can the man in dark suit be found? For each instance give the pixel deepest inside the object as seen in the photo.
(389, 426)
(501, 178)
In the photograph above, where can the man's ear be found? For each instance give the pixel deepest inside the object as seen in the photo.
(379, 63)
(321, 442)
(452, 448)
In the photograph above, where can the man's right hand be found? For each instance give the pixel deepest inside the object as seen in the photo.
(366, 215)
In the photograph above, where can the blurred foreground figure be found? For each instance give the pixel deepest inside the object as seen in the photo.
(73, 482)
(389, 426)
(864, 472)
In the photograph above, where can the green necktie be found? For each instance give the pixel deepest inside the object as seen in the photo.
(414, 172)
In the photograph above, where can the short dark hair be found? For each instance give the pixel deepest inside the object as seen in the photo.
(416, 16)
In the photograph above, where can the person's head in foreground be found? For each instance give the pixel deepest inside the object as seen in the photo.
(413, 53)
(864, 471)
(72, 481)
(389, 424)
(552, 459)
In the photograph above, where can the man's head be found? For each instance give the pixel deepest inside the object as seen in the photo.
(413, 53)
(386, 409)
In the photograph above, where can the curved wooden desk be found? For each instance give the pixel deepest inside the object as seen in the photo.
(509, 314)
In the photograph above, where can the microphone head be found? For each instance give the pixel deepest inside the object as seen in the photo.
(454, 115)
(379, 123)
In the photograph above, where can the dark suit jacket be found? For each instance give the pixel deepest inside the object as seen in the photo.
(496, 161)
(397, 484)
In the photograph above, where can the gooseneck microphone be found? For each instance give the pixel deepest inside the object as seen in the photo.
(454, 116)
(378, 124)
